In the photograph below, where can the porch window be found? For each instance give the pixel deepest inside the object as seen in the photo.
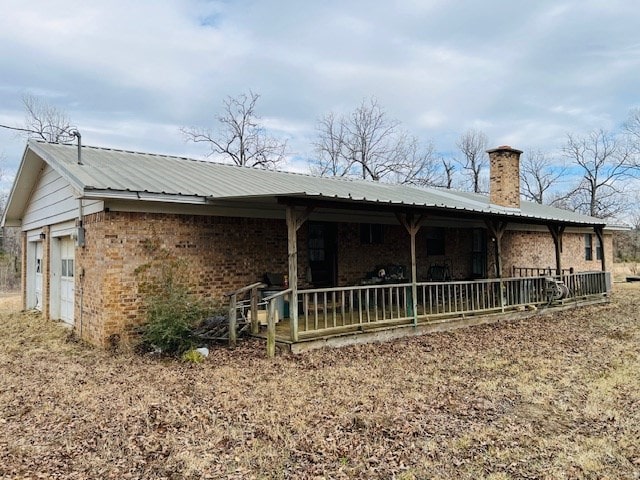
(371, 234)
(588, 246)
(435, 241)
(598, 251)
(479, 253)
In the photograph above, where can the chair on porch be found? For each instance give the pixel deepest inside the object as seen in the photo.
(439, 273)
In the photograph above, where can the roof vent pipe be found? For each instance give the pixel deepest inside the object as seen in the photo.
(76, 133)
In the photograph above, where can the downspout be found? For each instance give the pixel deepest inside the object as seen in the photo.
(80, 230)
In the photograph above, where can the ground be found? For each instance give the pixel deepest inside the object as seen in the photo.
(553, 396)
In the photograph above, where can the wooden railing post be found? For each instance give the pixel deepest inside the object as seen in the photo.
(271, 329)
(232, 320)
(255, 325)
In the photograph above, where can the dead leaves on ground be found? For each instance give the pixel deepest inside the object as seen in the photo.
(553, 396)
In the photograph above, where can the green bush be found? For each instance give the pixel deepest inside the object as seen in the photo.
(171, 320)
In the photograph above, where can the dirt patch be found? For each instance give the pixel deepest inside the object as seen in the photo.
(553, 396)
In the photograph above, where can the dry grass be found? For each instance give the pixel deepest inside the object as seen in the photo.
(554, 396)
(621, 270)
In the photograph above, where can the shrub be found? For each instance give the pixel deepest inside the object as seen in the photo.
(172, 318)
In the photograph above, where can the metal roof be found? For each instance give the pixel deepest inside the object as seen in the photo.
(108, 173)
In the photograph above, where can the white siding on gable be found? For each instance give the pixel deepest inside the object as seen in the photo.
(53, 201)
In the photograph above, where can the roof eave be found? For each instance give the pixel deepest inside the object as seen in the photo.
(106, 194)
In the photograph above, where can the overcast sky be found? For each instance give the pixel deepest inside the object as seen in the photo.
(130, 73)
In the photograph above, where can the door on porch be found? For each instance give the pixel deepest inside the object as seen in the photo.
(479, 253)
(322, 254)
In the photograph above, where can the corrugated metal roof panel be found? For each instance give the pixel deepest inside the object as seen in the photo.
(117, 170)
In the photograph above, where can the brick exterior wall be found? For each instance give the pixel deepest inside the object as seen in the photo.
(356, 260)
(220, 254)
(536, 249)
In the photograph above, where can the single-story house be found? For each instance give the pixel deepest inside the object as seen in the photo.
(358, 256)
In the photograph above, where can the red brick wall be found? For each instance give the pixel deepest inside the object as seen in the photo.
(536, 249)
(356, 260)
(220, 254)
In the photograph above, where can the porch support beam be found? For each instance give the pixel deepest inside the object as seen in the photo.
(295, 220)
(600, 235)
(496, 229)
(412, 225)
(556, 233)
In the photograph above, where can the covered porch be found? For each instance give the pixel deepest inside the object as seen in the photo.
(303, 316)
(443, 279)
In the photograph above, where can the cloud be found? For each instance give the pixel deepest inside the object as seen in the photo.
(131, 73)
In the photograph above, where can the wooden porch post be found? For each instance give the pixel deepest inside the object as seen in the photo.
(556, 233)
(412, 225)
(293, 225)
(233, 321)
(599, 234)
(497, 228)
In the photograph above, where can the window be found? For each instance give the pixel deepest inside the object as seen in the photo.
(435, 241)
(371, 234)
(316, 243)
(67, 268)
(588, 246)
(479, 254)
(598, 250)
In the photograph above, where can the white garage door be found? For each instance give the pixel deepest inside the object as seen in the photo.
(38, 276)
(67, 282)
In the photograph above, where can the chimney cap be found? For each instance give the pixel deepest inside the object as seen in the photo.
(504, 148)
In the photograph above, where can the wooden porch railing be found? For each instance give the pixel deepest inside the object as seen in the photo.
(324, 311)
(238, 302)
(538, 271)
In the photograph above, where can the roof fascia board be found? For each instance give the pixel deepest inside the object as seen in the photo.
(143, 196)
(431, 210)
(14, 187)
(59, 167)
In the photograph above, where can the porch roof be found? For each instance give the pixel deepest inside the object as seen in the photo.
(108, 173)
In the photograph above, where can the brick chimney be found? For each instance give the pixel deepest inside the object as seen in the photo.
(504, 176)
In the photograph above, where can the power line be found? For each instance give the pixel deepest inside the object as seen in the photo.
(18, 129)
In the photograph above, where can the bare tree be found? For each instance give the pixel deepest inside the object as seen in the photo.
(605, 162)
(449, 170)
(632, 125)
(632, 130)
(539, 175)
(368, 144)
(44, 121)
(371, 138)
(331, 148)
(412, 163)
(473, 145)
(240, 137)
